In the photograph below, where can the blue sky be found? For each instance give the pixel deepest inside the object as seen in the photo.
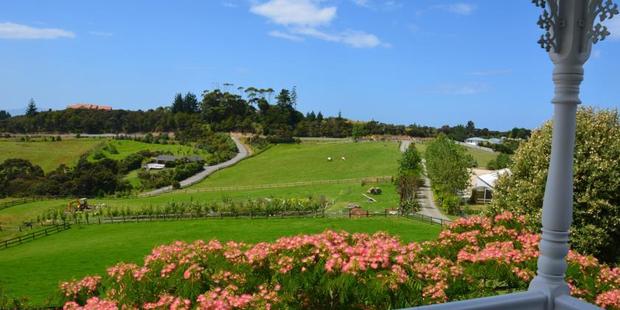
(398, 61)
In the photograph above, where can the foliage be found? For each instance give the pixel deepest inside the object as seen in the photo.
(31, 110)
(409, 178)
(502, 161)
(185, 104)
(447, 165)
(4, 115)
(596, 182)
(336, 270)
(181, 171)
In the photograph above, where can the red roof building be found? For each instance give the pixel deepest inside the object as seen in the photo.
(88, 106)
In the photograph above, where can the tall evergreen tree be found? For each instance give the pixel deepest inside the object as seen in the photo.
(284, 99)
(31, 110)
(4, 115)
(178, 104)
(190, 103)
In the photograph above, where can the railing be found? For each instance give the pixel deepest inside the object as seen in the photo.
(33, 235)
(429, 219)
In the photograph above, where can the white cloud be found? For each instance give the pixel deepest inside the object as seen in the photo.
(284, 35)
(295, 12)
(308, 18)
(613, 25)
(457, 8)
(357, 39)
(10, 30)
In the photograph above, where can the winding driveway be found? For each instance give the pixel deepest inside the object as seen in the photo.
(425, 194)
(242, 153)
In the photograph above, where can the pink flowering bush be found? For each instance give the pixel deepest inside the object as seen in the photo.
(474, 257)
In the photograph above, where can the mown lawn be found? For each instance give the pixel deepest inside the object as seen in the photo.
(35, 269)
(49, 155)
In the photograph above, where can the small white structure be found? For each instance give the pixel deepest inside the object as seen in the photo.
(155, 166)
(477, 140)
(482, 183)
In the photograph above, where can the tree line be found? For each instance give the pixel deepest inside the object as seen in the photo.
(251, 110)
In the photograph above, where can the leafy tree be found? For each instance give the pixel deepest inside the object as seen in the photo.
(4, 115)
(596, 182)
(284, 99)
(408, 179)
(500, 162)
(447, 165)
(31, 110)
(358, 131)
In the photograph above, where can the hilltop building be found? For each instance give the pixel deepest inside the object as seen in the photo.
(88, 106)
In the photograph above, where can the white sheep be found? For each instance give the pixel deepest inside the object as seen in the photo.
(329, 159)
(343, 158)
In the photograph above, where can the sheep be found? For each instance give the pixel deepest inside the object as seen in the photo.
(329, 159)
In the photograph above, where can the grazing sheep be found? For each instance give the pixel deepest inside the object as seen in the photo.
(329, 159)
(343, 158)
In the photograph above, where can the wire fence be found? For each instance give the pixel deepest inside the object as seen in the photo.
(34, 235)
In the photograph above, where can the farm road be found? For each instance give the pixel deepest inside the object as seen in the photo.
(425, 194)
(243, 153)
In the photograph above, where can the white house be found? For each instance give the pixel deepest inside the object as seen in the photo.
(482, 183)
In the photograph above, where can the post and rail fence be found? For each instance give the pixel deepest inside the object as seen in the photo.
(4, 244)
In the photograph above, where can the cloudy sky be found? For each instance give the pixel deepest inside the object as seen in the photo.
(400, 61)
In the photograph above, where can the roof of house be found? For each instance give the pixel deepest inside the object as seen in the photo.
(89, 106)
(489, 179)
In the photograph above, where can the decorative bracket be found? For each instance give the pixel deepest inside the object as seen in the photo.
(553, 24)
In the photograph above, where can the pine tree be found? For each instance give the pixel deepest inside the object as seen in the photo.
(32, 108)
(178, 104)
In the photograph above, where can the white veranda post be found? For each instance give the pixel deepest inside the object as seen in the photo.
(568, 39)
(571, 27)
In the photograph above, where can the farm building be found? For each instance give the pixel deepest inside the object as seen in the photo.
(164, 158)
(88, 106)
(482, 183)
(478, 140)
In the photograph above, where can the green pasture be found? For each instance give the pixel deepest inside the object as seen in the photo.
(47, 154)
(35, 269)
(128, 147)
(284, 163)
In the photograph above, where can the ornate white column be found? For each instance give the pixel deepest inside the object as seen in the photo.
(569, 34)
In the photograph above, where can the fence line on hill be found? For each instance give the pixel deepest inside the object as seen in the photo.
(363, 181)
(12, 203)
(34, 235)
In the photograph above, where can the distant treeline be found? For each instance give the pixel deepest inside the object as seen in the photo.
(250, 111)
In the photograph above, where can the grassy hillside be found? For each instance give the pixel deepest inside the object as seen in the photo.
(47, 154)
(85, 250)
(278, 165)
(308, 161)
(126, 147)
(481, 157)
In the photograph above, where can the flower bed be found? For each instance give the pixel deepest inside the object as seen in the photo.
(475, 257)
